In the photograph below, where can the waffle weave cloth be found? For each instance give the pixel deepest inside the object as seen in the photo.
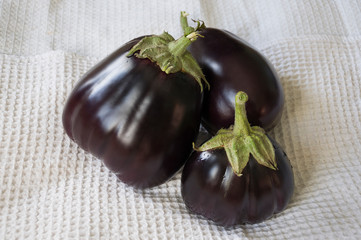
(52, 189)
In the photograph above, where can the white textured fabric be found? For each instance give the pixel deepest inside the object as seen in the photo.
(51, 189)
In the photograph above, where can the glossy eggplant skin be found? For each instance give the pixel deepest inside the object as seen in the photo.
(231, 65)
(210, 188)
(139, 120)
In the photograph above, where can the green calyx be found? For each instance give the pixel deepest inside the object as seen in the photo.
(170, 55)
(241, 140)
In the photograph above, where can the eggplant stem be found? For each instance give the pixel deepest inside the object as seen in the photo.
(179, 46)
(184, 23)
(241, 141)
(241, 125)
(170, 55)
(186, 28)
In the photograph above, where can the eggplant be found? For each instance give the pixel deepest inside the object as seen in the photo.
(240, 176)
(230, 65)
(139, 113)
(210, 188)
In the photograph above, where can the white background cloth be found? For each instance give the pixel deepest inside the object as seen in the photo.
(51, 189)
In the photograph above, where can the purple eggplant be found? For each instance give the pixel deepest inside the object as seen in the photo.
(239, 176)
(231, 65)
(139, 109)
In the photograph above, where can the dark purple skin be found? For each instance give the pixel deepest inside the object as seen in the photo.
(210, 188)
(139, 120)
(230, 65)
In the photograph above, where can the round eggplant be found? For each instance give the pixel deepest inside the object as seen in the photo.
(136, 115)
(211, 188)
(239, 176)
(231, 65)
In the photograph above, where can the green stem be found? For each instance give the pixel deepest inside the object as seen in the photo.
(241, 124)
(184, 23)
(179, 47)
(242, 140)
(170, 55)
(186, 28)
